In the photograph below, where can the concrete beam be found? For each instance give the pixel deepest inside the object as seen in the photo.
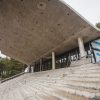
(30, 30)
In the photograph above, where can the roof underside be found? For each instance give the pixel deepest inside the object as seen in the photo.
(31, 29)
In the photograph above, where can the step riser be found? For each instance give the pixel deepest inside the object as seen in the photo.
(81, 83)
(68, 90)
(84, 79)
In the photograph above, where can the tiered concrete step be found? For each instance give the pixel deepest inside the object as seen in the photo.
(74, 83)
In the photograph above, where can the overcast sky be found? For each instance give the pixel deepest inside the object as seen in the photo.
(89, 9)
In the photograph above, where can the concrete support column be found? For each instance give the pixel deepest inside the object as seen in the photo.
(81, 47)
(83, 59)
(53, 60)
(40, 64)
(32, 69)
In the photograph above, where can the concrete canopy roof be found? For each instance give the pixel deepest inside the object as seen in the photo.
(31, 29)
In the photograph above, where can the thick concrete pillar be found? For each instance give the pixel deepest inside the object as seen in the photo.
(81, 47)
(40, 64)
(83, 59)
(32, 69)
(53, 60)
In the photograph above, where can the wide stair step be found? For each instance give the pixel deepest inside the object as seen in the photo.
(72, 83)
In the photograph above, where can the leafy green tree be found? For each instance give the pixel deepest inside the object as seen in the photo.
(98, 25)
(10, 67)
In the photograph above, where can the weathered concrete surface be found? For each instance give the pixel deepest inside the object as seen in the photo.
(73, 83)
(31, 29)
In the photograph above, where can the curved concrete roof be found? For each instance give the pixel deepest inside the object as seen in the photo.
(31, 29)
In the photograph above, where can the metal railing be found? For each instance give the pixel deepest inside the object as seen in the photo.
(4, 80)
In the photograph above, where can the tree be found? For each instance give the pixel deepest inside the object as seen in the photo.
(10, 67)
(98, 25)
